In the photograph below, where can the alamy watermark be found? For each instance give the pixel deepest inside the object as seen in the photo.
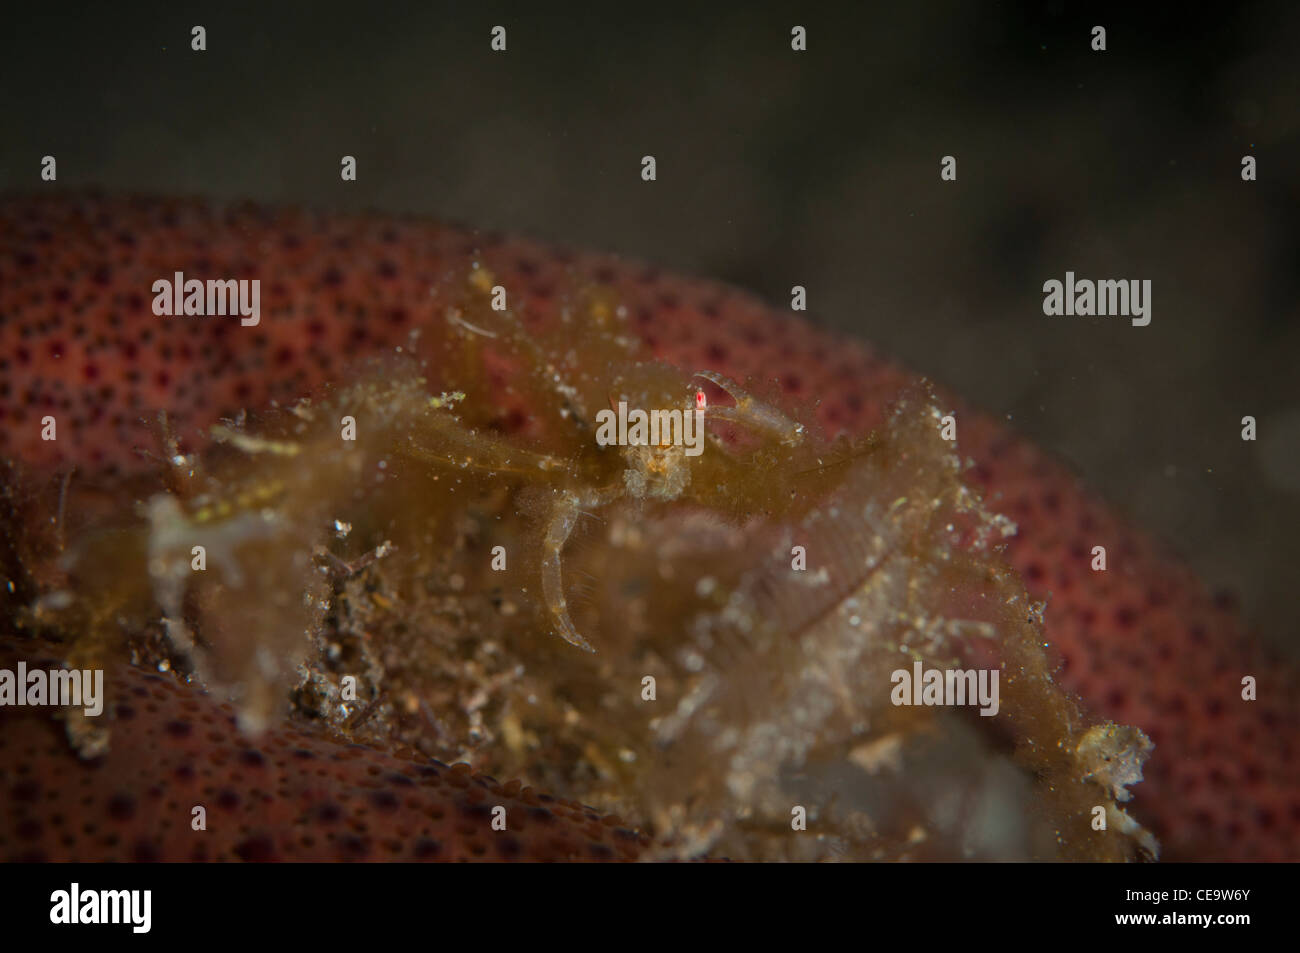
(654, 428)
(73, 906)
(76, 688)
(178, 296)
(950, 687)
(1106, 297)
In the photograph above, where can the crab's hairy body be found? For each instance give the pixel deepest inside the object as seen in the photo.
(652, 473)
(883, 576)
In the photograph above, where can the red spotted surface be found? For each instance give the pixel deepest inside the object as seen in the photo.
(1142, 643)
(289, 795)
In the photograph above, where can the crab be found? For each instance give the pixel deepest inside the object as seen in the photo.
(587, 477)
(775, 671)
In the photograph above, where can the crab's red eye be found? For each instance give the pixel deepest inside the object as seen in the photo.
(700, 400)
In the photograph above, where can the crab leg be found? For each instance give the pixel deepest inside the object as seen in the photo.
(564, 517)
(751, 412)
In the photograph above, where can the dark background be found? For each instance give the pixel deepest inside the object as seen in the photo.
(775, 168)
